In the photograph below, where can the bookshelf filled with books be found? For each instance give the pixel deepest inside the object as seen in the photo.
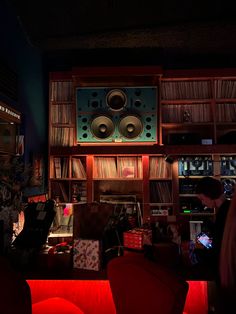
(68, 178)
(198, 110)
(62, 113)
(149, 178)
(160, 186)
(118, 175)
(195, 121)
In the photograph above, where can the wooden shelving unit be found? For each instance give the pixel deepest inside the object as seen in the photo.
(195, 116)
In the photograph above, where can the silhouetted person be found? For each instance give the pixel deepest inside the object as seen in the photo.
(227, 264)
(210, 192)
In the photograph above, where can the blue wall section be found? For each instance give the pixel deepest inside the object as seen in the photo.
(26, 60)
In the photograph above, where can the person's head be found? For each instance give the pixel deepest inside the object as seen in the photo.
(209, 190)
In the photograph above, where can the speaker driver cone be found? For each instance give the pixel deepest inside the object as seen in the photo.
(102, 127)
(130, 127)
(116, 100)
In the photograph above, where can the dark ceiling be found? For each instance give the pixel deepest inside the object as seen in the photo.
(169, 33)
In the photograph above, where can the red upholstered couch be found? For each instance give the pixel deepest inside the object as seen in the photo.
(94, 296)
(140, 286)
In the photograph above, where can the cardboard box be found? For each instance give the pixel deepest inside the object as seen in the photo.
(137, 238)
(87, 254)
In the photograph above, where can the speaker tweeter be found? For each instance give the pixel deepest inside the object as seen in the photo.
(116, 100)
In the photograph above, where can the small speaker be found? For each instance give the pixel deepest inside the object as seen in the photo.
(110, 115)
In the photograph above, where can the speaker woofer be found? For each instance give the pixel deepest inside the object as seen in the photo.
(102, 127)
(130, 127)
(116, 100)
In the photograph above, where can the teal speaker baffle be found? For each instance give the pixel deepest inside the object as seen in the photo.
(117, 115)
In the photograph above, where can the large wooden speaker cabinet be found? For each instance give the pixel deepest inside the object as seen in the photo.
(117, 115)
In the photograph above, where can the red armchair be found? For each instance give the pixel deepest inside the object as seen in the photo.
(142, 286)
